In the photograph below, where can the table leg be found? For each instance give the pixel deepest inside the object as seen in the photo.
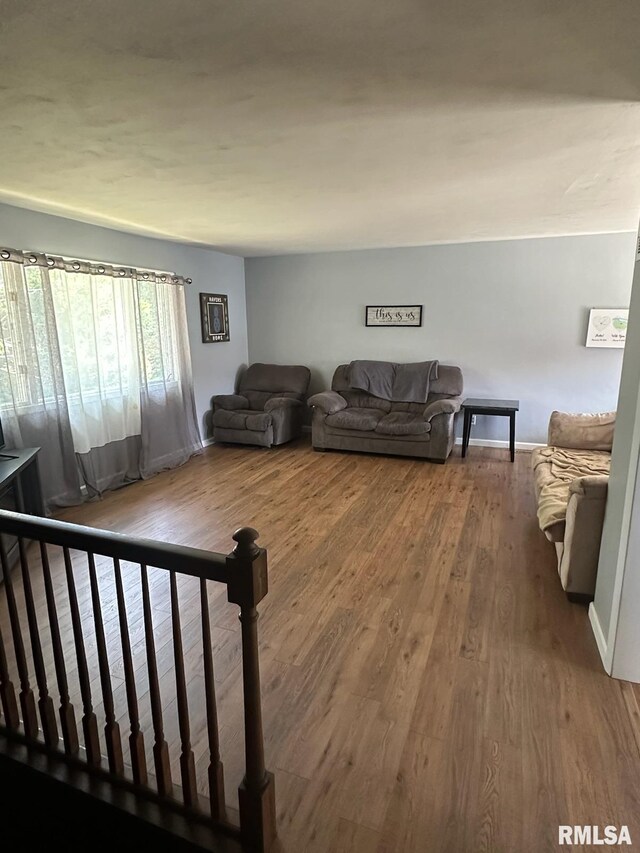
(512, 435)
(466, 430)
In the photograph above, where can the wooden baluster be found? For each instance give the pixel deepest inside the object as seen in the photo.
(7, 692)
(67, 712)
(111, 728)
(45, 702)
(160, 748)
(216, 772)
(187, 762)
(247, 586)
(136, 738)
(27, 700)
(89, 721)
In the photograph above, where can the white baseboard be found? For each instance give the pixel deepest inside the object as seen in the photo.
(601, 641)
(207, 441)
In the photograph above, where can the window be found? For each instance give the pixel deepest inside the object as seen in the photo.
(111, 334)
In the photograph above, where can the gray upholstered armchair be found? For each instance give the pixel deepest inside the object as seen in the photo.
(267, 409)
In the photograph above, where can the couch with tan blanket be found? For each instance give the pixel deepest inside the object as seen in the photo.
(571, 478)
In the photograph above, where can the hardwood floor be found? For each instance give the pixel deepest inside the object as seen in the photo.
(426, 685)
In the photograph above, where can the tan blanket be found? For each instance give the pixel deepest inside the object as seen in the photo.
(555, 468)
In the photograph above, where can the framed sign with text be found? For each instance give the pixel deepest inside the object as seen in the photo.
(393, 315)
(214, 317)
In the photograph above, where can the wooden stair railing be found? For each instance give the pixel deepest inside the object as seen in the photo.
(244, 571)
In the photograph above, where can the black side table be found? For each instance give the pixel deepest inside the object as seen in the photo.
(505, 408)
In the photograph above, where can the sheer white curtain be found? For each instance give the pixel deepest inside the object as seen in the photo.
(169, 423)
(96, 370)
(96, 322)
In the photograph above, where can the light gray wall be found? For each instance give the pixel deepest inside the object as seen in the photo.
(214, 365)
(513, 315)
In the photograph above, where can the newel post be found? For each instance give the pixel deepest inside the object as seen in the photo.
(247, 585)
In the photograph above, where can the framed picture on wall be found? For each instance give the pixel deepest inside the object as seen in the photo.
(214, 317)
(607, 327)
(393, 315)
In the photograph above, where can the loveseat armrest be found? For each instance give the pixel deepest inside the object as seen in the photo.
(593, 486)
(446, 406)
(230, 401)
(281, 403)
(581, 431)
(328, 402)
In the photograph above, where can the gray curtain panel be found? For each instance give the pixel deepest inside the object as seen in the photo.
(111, 466)
(33, 398)
(95, 369)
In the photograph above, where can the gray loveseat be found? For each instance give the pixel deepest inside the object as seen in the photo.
(267, 409)
(348, 418)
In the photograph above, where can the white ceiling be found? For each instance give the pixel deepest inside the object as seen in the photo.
(307, 125)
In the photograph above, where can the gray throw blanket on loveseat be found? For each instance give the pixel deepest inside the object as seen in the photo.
(400, 383)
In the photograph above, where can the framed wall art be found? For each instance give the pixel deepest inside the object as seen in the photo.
(214, 317)
(393, 315)
(607, 327)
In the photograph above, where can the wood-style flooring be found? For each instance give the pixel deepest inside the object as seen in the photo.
(426, 685)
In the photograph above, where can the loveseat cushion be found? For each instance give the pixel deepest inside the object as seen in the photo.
(243, 419)
(360, 399)
(403, 423)
(411, 408)
(355, 418)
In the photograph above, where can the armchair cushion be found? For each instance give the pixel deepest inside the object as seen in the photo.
(281, 403)
(329, 402)
(244, 419)
(231, 401)
(447, 405)
(273, 378)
